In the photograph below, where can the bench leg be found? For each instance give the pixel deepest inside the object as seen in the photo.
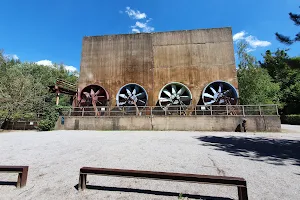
(19, 180)
(82, 181)
(242, 191)
(24, 177)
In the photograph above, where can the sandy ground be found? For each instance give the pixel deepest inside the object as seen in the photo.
(270, 162)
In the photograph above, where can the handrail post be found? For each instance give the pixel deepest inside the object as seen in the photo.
(277, 110)
(226, 109)
(211, 112)
(196, 110)
(243, 107)
(180, 110)
(151, 111)
(82, 112)
(259, 110)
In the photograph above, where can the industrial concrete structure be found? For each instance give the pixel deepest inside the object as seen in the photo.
(193, 58)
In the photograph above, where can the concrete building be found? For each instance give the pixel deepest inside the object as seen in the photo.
(152, 60)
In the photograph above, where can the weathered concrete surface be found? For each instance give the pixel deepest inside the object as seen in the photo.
(194, 58)
(177, 123)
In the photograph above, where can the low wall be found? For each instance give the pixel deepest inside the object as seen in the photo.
(177, 123)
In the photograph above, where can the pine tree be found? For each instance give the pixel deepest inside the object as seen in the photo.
(287, 39)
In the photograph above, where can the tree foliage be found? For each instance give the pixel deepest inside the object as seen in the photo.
(285, 71)
(287, 39)
(24, 88)
(256, 86)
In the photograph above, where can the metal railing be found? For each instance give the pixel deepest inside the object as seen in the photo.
(199, 110)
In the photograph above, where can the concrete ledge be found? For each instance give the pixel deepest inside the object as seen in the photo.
(176, 123)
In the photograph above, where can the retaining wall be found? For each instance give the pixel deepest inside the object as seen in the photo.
(176, 123)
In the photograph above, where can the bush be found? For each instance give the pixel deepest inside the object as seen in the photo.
(46, 125)
(49, 119)
(291, 119)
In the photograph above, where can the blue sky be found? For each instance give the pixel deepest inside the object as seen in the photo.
(52, 31)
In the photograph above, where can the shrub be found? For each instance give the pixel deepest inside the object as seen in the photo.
(45, 125)
(291, 119)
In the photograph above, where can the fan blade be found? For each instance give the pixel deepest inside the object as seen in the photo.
(141, 95)
(173, 89)
(123, 96)
(86, 94)
(181, 91)
(213, 90)
(122, 103)
(92, 92)
(100, 102)
(185, 98)
(142, 101)
(227, 92)
(208, 95)
(211, 102)
(167, 93)
(168, 105)
(128, 92)
(164, 100)
(136, 89)
(220, 88)
(98, 92)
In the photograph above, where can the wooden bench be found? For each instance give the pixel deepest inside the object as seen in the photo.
(22, 173)
(219, 180)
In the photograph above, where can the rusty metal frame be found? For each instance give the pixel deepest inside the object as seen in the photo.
(22, 173)
(196, 178)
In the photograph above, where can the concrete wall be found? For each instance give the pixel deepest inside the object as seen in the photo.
(159, 123)
(194, 58)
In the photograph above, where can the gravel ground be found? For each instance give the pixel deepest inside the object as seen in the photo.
(270, 162)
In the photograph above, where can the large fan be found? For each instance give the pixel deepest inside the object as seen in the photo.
(175, 94)
(132, 95)
(93, 95)
(219, 93)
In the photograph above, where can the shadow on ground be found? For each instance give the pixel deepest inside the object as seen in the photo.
(272, 151)
(8, 183)
(159, 193)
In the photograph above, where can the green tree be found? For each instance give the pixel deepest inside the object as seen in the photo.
(285, 72)
(287, 39)
(24, 89)
(256, 86)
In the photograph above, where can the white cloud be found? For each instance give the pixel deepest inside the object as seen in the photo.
(251, 40)
(45, 63)
(239, 36)
(70, 68)
(254, 42)
(249, 50)
(49, 63)
(135, 30)
(142, 27)
(135, 14)
(11, 56)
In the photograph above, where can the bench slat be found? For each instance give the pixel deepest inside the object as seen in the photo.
(166, 175)
(13, 168)
(220, 180)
